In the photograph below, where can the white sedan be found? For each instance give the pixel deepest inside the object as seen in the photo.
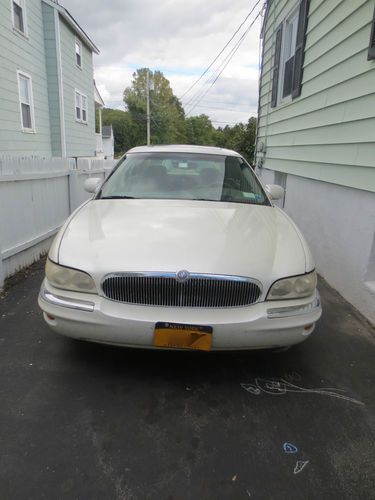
(181, 248)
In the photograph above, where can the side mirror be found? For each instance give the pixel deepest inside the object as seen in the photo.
(275, 191)
(91, 184)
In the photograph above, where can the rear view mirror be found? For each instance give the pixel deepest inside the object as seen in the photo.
(91, 184)
(275, 191)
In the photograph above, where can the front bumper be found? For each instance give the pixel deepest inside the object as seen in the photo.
(259, 326)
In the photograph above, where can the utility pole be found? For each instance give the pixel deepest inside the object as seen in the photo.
(148, 108)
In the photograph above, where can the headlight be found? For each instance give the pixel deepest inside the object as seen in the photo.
(296, 287)
(69, 279)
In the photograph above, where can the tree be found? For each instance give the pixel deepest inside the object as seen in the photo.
(123, 129)
(167, 114)
(246, 145)
(240, 137)
(169, 125)
(199, 130)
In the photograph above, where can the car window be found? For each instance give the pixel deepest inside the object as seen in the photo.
(185, 176)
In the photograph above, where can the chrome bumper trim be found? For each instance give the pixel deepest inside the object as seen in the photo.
(81, 305)
(284, 312)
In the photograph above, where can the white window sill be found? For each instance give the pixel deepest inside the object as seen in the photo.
(284, 101)
(29, 131)
(81, 122)
(20, 33)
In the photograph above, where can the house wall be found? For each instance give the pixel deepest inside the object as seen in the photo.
(338, 223)
(51, 54)
(18, 52)
(80, 138)
(321, 145)
(108, 147)
(328, 132)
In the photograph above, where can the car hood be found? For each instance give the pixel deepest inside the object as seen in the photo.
(107, 236)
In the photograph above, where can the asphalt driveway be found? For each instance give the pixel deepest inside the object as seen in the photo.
(84, 421)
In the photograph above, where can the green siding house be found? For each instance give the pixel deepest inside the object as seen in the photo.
(316, 132)
(47, 91)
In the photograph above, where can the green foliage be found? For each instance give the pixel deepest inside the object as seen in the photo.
(167, 114)
(124, 130)
(169, 125)
(199, 130)
(240, 137)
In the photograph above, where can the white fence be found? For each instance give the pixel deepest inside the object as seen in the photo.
(36, 196)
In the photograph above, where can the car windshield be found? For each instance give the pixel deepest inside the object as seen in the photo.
(184, 176)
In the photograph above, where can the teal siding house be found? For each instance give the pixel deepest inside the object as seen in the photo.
(47, 92)
(316, 132)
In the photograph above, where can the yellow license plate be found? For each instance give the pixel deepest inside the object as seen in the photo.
(179, 336)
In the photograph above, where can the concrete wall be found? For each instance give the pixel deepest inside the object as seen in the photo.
(24, 53)
(338, 223)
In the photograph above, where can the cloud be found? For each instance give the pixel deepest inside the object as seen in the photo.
(178, 37)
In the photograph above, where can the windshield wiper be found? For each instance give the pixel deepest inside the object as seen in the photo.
(244, 202)
(201, 199)
(117, 197)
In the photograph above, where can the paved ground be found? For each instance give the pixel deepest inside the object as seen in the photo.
(87, 422)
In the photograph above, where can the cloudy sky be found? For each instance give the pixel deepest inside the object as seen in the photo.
(180, 38)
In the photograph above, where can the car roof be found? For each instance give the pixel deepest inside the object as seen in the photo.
(183, 148)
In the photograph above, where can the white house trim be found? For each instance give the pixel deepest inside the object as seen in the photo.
(293, 13)
(22, 4)
(32, 129)
(73, 24)
(77, 42)
(81, 107)
(60, 85)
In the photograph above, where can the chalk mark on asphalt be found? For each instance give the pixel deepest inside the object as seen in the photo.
(278, 387)
(300, 465)
(290, 448)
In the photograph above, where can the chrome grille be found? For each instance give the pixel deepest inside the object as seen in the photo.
(201, 290)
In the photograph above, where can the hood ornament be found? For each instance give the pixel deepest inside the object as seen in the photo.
(182, 276)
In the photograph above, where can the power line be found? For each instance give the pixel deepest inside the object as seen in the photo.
(222, 50)
(211, 77)
(218, 101)
(163, 106)
(231, 103)
(229, 123)
(198, 99)
(222, 109)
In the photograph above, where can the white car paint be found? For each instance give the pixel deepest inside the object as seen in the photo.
(169, 235)
(235, 239)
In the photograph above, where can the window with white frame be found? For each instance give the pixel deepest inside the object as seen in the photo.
(290, 38)
(288, 50)
(78, 47)
(19, 15)
(80, 107)
(26, 102)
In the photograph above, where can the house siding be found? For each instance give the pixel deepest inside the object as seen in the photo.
(328, 132)
(25, 54)
(80, 138)
(321, 145)
(52, 78)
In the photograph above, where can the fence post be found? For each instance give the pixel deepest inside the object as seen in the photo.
(2, 274)
(72, 176)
